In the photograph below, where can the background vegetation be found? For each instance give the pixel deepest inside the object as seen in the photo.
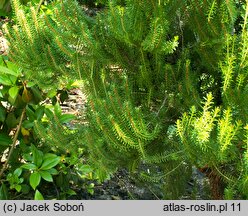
(166, 87)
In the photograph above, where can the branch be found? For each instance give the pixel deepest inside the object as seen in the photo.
(13, 144)
(39, 5)
(163, 104)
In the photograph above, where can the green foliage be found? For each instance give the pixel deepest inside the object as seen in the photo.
(93, 3)
(214, 140)
(41, 166)
(3, 192)
(144, 64)
(5, 7)
(33, 165)
(218, 134)
(38, 195)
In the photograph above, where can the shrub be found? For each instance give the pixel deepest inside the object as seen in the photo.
(144, 64)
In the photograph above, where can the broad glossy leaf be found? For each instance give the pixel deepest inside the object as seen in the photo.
(29, 166)
(39, 112)
(63, 96)
(71, 192)
(53, 171)
(18, 171)
(6, 70)
(5, 80)
(18, 188)
(27, 156)
(28, 124)
(12, 66)
(13, 79)
(51, 93)
(30, 84)
(34, 179)
(38, 195)
(49, 155)
(37, 156)
(46, 175)
(57, 109)
(13, 92)
(65, 118)
(50, 162)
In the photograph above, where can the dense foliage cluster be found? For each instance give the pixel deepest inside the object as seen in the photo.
(166, 86)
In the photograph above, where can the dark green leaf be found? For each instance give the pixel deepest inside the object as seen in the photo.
(30, 113)
(28, 124)
(53, 171)
(49, 155)
(29, 166)
(11, 120)
(27, 156)
(25, 188)
(50, 162)
(3, 192)
(2, 113)
(57, 109)
(37, 156)
(39, 112)
(46, 176)
(65, 118)
(37, 94)
(63, 96)
(5, 140)
(49, 113)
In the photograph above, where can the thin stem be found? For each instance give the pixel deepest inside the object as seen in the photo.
(13, 144)
(39, 5)
(161, 107)
(222, 174)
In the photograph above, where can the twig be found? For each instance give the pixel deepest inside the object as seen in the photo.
(154, 194)
(13, 144)
(39, 5)
(163, 104)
